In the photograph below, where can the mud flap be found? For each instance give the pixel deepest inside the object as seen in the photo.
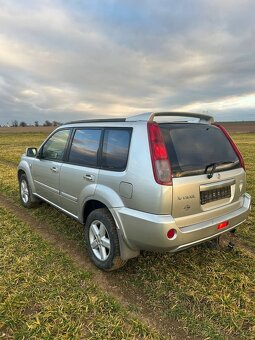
(126, 253)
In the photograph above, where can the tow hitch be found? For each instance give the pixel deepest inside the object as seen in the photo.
(226, 240)
(233, 237)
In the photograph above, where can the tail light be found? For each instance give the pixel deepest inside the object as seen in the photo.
(238, 153)
(159, 157)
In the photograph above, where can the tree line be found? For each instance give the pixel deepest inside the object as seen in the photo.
(16, 123)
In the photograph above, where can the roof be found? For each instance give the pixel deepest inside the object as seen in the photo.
(149, 117)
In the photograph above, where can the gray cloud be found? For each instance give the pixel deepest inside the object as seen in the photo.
(99, 58)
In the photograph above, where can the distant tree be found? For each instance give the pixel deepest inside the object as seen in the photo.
(15, 123)
(47, 123)
(23, 124)
(36, 123)
(55, 123)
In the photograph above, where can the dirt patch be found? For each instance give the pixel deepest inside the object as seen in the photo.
(8, 163)
(227, 238)
(126, 295)
(26, 129)
(239, 127)
(232, 127)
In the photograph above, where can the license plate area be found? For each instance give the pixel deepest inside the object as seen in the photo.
(216, 194)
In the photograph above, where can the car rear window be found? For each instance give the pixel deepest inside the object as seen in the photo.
(192, 147)
(115, 149)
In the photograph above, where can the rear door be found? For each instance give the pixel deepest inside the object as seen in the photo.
(79, 174)
(207, 175)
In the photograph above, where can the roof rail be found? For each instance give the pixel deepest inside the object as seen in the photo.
(149, 116)
(97, 120)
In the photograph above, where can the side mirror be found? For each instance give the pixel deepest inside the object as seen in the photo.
(31, 152)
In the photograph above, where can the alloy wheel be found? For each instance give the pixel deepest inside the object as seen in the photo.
(24, 191)
(99, 240)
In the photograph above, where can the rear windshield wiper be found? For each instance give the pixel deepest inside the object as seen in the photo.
(214, 166)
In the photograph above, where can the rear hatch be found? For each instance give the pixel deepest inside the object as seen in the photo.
(208, 177)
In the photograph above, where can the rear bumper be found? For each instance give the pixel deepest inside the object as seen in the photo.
(145, 231)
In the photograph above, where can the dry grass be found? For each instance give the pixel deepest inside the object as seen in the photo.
(43, 295)
(212, 292)
(27, 129)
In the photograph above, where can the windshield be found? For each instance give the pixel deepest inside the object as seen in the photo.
(192, 147)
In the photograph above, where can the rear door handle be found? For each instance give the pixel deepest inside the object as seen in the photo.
(89, 177)
(54, 169)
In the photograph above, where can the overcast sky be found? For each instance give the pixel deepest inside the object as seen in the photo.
(62, 60)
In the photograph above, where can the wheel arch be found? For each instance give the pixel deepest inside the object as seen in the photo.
(125, 251)
(20, 172)
(89, 206)
(24, 168)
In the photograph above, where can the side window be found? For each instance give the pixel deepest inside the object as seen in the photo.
(85, 147)
(55, 146)
(115, 149)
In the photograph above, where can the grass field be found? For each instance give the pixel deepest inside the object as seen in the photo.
(205, 292)
(45, 296)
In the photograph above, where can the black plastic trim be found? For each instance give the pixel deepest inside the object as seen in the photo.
(110, 120)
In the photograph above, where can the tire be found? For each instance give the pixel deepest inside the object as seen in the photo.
(102, 240)
(28, 200)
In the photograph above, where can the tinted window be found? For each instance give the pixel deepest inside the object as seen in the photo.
(192, 147)
(85, 146)
(54, 148)
(115, 149)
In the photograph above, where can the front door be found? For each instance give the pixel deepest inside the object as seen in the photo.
(46, 168)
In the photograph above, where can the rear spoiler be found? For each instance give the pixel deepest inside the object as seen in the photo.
(149, 116)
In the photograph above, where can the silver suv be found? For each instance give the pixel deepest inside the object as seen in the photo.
(156, 181)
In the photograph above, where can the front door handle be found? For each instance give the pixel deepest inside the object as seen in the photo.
(54, 169)
(89, 177)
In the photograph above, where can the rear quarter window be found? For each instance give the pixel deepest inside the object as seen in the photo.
(115, 149)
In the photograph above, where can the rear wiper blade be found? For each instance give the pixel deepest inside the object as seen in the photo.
(214, 166)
